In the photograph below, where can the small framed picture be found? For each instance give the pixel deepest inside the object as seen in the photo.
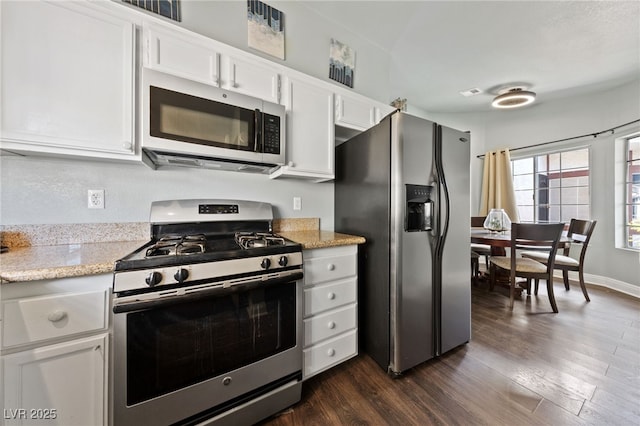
(342, 63)
(265, 28)
(167, 8)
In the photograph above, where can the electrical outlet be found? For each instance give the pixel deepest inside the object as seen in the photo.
(95, 199)
(297, 203)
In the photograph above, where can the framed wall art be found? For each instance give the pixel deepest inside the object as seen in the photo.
(167, 8)
(342, 63)
(265, 26)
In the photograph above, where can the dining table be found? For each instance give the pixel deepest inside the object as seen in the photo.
(499, 242)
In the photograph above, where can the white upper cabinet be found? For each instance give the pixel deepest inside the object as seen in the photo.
(198, 58)
(67, 80)
(310, 130)
(357, 112)
(251, 78)
(186, 56)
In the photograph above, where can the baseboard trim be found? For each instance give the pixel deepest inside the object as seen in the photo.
(597, 280)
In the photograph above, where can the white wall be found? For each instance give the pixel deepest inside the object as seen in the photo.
(543, 122)
(306, 45)
(39, 190)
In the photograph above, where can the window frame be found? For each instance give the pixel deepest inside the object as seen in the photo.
(628, 201)
(533, 156)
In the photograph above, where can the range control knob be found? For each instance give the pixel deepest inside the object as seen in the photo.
(153, 278)
(283, 261)
(266, 262)
(181, 275)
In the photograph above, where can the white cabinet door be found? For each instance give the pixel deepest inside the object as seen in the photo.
(359, 113)
(251, 78)
(67, 80)
(183, 55)
(354, 113)
(63, 384)
(310, 131)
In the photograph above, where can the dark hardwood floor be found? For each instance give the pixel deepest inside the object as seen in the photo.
(580, 366)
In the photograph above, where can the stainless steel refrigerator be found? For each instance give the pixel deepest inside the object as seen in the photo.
(404, 186)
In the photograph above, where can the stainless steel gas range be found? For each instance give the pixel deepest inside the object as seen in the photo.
(207, 318)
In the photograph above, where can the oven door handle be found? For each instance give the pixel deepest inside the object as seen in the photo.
(218, 290)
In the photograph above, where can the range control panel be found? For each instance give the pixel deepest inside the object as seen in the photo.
(218, 209)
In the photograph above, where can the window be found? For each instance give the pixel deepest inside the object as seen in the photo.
(552, 187)
(632, 203)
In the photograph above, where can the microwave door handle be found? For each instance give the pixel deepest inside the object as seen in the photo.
(257, 123)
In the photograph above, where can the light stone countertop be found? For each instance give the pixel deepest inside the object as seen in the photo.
(40, 252)
(313, 239)
(61, 261)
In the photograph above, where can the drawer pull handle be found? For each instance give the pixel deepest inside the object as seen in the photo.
(331, 267)
(331, 352)
(331, 295)
(331, 325)
(56, 316)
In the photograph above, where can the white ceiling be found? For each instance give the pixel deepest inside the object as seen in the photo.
(440, 48)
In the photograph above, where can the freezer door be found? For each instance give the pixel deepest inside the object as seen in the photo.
(455, 290)
(411, 278)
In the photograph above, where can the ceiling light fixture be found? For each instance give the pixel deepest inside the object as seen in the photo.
(513, 98)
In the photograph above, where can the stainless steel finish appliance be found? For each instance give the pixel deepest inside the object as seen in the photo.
(404, 186)
(207, 318)
(191, 124)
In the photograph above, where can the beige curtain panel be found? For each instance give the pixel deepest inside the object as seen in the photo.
(497, 185)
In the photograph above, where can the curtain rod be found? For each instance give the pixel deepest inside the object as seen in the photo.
(595, 135)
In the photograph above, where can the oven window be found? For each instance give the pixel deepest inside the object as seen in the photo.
(175, 346)
(187, 118)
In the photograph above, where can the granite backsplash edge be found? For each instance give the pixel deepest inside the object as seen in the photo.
(13, 236)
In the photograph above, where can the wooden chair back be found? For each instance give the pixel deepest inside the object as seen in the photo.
(477, 221)
(536, 235)
(580, 233)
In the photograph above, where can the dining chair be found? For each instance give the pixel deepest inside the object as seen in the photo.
(481, 249)
(579, 234)
(529, 235)
(475, 267)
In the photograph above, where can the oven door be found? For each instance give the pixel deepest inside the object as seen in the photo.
(198, 355)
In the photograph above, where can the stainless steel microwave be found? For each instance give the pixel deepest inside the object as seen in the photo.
(187, 123)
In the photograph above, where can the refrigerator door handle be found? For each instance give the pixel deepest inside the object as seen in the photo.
(442, 186)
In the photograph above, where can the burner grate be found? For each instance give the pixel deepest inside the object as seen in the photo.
(177, 245)
(248, 240)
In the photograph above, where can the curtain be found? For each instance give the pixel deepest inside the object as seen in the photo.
(497, 185)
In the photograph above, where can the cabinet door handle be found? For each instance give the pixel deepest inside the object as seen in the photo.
(331, 352)
(331, 325)
(56, 316)
(331, 295)
(331, 267)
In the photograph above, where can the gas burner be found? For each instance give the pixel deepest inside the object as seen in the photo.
(177, 245)
(248, 240)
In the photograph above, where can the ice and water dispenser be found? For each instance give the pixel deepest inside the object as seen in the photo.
(418, 208)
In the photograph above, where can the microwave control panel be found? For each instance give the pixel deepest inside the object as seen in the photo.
(271, 132)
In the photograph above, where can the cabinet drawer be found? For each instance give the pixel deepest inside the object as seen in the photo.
(39, 318)
(329, 353)
(328, 296)
(322, 269)
(328, 325)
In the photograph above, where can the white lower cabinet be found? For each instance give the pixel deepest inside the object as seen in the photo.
(61, 384)
(330, 308)
(54, 353)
